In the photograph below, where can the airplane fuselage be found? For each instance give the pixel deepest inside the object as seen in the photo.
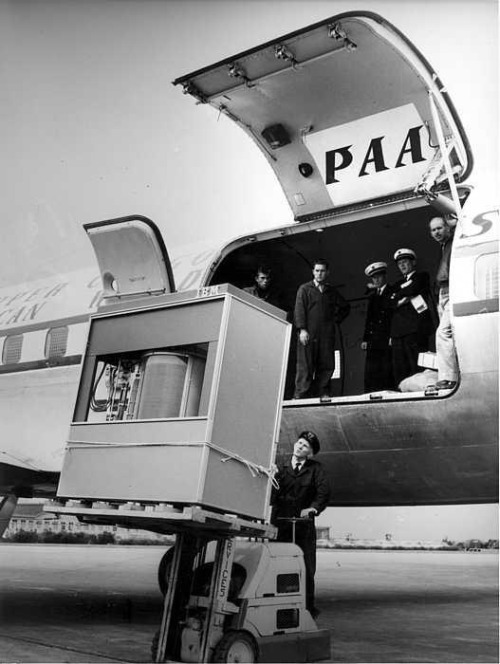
(352, 206)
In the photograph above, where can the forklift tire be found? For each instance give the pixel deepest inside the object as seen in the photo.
(236, 646)
(163, 570)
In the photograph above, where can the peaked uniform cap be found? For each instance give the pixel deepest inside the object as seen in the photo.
(312, 439)
(375, 268)
(405, 253)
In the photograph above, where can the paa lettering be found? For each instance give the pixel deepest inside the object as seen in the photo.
(341, 158)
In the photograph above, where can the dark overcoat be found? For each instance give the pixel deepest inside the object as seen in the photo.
(406, 320)
(378, 319)
(318, 312)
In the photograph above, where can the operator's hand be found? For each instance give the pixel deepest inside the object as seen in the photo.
(308, 513)
(364, 345)
(304, 337)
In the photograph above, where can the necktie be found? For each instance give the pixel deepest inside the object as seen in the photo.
(297, 468)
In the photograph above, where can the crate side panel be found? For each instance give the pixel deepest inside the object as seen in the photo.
(251, 383)
(148, 473)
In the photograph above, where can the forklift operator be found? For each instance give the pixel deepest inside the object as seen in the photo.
(303, 493)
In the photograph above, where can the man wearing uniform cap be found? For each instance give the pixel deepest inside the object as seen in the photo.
(411, 322)
(378, 363)
(303, 493)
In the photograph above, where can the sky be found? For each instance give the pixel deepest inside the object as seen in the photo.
(91, 128)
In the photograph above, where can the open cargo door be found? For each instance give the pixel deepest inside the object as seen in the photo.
(346, 111)
(367, 147)
(132, 257)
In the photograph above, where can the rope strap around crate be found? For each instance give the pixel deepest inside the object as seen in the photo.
(255, 469)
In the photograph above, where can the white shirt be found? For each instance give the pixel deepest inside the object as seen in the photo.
(319, 286)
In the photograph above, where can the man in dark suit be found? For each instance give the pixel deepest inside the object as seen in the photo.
(303, 492)
(318, 307)
(378, 363)
(411, 320)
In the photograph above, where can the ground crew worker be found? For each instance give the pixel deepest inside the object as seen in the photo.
(263, 288)
(303, 492)
(318, 306)
(378, 362)
(446, 354)
(411, 322)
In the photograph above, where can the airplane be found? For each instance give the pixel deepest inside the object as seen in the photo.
(364, 165)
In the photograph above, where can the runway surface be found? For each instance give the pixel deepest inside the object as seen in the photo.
(64, 603)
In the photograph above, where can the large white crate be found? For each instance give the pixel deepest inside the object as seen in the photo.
(216, 455)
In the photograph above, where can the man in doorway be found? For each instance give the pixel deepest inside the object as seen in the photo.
(446, 355)
(318, 307)
(263, 288)
(378, 363)
(303, 493)
(411, 322)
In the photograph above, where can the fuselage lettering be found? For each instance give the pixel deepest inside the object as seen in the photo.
(375, 156)
(374, 160)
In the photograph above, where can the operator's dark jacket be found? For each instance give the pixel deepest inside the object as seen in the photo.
(309, 488)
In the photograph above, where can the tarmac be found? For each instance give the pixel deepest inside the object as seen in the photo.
(66, 603)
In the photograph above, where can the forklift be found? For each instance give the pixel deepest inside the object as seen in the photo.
(231, 593)
(175, 430)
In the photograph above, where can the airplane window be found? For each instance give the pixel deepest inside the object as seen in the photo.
(486, 277)
(56, 342)
(12, 349)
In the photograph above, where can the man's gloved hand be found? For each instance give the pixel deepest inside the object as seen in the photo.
(308, 513)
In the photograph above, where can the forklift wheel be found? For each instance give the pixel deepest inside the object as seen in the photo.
(163, 570)
(236, 647)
